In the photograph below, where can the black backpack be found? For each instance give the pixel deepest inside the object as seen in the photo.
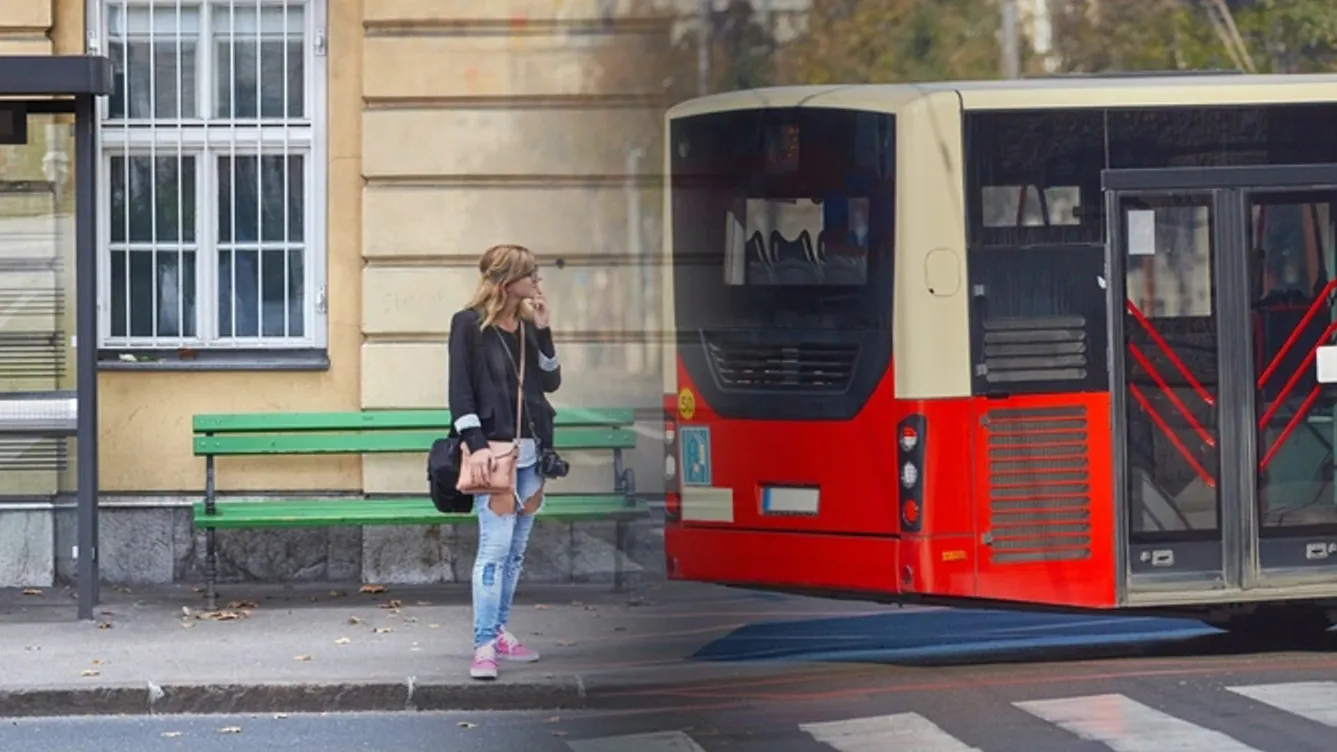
(443, 472)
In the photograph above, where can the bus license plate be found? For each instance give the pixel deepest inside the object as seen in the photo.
(789, 500)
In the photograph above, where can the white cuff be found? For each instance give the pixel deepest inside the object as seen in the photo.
(548, 364)
(465, 422)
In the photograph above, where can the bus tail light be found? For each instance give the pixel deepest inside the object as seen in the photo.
(910, 471)
(672, 498)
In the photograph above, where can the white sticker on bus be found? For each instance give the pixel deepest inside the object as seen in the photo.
(1142, 233)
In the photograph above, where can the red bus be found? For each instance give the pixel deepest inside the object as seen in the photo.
(1057, 343)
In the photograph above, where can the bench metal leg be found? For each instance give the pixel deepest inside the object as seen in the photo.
(623, 483)
(210, 538)
(620, 542)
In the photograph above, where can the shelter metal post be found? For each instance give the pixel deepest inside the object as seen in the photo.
(86, 338)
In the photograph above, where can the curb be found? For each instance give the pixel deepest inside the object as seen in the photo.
(347, 697)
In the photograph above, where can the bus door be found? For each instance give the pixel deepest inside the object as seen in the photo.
(1222, 283)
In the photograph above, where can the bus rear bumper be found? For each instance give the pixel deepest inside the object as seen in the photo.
(778, 560)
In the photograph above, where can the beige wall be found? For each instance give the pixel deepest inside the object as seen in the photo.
(486, 123)
(25, 25)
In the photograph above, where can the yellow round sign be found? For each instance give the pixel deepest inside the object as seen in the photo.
(686, 404)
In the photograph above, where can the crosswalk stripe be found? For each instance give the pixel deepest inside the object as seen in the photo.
(659, 741)
(1125, 725)
(903, 732)
(1312, 700)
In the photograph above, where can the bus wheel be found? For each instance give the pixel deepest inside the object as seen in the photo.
(1278, 623)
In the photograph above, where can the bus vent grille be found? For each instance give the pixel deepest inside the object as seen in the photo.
(1039, 484)
(1034, 348)
(804, 367)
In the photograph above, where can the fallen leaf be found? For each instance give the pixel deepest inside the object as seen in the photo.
(280, 716)
(354, 620)
(433, 626)
(243, 604)
(554, 719)
(564, 643)
(466, 724)
(342, 641)
(540, 607)
(230, 730)
(302, 658)
(90, 672)
(31, 591)
(104, 625)
(424, 603)
(337, 594)
(171, 734)
(222, 615)
(188, 624)
(382, 630)
(394, 603)
(372, 589)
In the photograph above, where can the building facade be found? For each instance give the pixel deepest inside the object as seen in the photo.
(293, 195)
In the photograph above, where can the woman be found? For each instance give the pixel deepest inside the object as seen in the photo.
(484, 363)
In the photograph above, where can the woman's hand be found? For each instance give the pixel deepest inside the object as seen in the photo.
(540, 307)
(481, 464)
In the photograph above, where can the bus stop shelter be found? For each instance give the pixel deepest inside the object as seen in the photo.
(60, 88)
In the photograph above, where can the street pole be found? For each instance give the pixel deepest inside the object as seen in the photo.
(1011, 42)
(703, 50)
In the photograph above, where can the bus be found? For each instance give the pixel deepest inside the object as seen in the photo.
(1057, 343)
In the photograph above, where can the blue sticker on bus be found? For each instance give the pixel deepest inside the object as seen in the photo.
(695, 443)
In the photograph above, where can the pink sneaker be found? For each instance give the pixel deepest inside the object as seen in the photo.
(484, 665)
(511, 649)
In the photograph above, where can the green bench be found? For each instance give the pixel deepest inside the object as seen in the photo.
(386, 432)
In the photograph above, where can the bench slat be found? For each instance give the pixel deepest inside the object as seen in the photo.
(383, 420)
(380, 443)
(396, 511)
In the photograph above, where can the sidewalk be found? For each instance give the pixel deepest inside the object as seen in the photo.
(311, 648)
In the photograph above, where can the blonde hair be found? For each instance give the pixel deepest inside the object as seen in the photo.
(500, 266)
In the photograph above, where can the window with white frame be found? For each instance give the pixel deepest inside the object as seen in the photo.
(211, 187)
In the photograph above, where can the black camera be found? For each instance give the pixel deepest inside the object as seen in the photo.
(551, 464)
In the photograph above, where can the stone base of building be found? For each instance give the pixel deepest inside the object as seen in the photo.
(153, 541)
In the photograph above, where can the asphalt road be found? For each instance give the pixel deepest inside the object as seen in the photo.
(1024, 684)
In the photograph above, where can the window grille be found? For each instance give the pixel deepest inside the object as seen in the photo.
(211, 182)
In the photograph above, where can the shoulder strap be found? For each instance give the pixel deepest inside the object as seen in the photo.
(519, 375)
(520, 382)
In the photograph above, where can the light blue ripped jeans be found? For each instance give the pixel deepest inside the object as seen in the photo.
(501, 555)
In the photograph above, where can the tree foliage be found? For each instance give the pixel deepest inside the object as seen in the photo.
(883, 41)
(1256, 36)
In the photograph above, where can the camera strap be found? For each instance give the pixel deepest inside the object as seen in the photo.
(521, 404)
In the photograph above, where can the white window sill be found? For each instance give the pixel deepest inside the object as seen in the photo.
(313, 359)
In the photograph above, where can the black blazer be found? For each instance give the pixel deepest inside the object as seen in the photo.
(483, 383)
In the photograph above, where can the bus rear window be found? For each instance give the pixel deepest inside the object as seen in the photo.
(783, 217)
(797, 241)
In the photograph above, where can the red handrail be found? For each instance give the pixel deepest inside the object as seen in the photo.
(1291, 425)
(1313, 311)
(1169, 434)
(1295, 377)
(1169, 353)
(1169, 392)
